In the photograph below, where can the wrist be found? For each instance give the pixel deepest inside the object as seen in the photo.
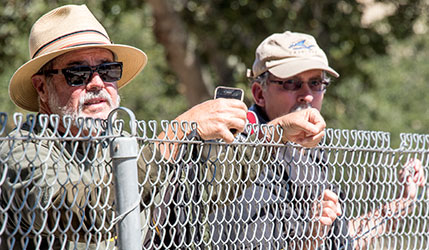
(316, 234)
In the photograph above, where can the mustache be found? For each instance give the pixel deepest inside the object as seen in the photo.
(300, 106)
(95, 94)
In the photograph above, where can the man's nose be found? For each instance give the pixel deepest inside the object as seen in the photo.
(305, 95)
(95, 83)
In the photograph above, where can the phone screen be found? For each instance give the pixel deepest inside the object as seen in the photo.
(228, 92)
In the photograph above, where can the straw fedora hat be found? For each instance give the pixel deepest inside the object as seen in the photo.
(68, 28)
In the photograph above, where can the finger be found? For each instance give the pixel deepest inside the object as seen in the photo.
(317, 138)
(319, 125)
(330, 213)
(339, 210)
(309, 128)
(232, 103)
(228, 116)
(410, 181)
(421, 179)
(306, 142)
(220, 131)
(418, 163)
(310, 141)
(317, 119)
(418, 176)
(329, 195)
(326, 221)
(300, 122)
(241, 114)
(418, 171)
(237, 123)
(422, 175)
(331, 199)
(329, 205)
(226, 135)
(215, 131)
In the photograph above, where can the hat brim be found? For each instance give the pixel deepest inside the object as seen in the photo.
(24, 95)
(299, 65)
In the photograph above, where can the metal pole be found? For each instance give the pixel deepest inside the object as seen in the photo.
(124, 153)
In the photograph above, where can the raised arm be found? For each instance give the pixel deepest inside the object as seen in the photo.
(412, 177)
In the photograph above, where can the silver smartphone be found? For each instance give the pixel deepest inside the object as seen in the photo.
(228, 92)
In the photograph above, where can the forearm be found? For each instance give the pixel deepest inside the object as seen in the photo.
(309, 242)
(367, 228)
(316, 235)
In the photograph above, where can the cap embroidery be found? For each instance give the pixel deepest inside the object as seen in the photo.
(300, 45)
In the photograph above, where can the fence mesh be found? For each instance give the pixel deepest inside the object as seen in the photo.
(58, 188)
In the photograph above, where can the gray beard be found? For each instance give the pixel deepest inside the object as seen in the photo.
(62, 111)
(300, 106)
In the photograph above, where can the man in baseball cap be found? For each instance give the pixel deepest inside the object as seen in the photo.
(290, 73)
(301, 209)
(284, 63)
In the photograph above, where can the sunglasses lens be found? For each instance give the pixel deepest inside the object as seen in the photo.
(110, 72)
(77, 76)
(80, 75)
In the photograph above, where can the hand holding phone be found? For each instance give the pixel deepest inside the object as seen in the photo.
(229, 92)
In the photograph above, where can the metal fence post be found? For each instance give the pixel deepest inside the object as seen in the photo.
(124, 154)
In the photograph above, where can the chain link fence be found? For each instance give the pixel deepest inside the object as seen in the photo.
(116, 185)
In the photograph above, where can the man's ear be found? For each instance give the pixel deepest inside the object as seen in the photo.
(258, 97)
(39, 83)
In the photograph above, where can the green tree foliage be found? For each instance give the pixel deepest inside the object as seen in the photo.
(396, 102)
(239, 26)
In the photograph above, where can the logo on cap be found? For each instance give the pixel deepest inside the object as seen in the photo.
(300, 45)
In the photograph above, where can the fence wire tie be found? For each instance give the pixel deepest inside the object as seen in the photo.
(129, 210)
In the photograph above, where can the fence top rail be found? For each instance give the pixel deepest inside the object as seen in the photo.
(35, 126)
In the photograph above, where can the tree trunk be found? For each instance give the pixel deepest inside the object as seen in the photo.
(218, 60)
(170, 32)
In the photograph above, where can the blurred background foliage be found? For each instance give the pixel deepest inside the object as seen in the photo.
(380, 49)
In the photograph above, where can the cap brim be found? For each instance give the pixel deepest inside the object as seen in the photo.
(299, 65)
(21, 89)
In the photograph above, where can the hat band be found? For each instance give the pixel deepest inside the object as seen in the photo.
(78, 38)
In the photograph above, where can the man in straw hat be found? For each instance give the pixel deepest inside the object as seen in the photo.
(302, 210)
(75, 70)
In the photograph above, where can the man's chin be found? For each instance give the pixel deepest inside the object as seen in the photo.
(96, 112)
(95, 115)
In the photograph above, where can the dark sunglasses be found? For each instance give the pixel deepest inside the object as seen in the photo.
(295, 84)
(81, 75)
